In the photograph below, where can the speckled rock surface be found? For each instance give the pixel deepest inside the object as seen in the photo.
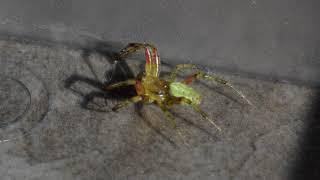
(47, 133)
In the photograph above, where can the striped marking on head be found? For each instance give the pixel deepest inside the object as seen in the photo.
(156, 62)
(148, 55)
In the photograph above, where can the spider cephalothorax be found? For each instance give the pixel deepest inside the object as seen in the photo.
(151, 88)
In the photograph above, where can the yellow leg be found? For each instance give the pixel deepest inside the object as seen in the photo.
(134, 99)
(169, 117)
(129, 82)
(132, 48)
(202, 75)
(172, 121)
(152, 66)
(178, 68)
(205, 116)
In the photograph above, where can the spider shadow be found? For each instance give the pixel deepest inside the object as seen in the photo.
(120, 72)
(138, 108)
(199, 127)
(117, 94)
(120, 69)
(177, 115)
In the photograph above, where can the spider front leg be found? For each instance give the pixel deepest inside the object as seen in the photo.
(134, 99)
(152, 66)
(128, 82)
(132, 48)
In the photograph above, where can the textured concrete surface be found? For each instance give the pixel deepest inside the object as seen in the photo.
(272, 38)
(56, 122)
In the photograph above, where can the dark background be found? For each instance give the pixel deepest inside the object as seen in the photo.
(272, 38)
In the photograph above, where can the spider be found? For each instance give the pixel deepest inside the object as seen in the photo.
(165, 93)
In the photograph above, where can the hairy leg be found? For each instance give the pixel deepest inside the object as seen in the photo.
(152, 66)
(129, 82)
(202, 75)
(198, 110)
(178, 68)
(172, 121)
(132, 48)
(122, 104)
(205, 116)
(169, 117)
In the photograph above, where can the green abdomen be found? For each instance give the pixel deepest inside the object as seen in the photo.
(179, 89)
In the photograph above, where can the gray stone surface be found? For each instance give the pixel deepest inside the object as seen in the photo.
(47, 133)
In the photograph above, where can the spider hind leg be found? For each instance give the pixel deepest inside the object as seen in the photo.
(205, 116)
(169, 117)
(200, 74)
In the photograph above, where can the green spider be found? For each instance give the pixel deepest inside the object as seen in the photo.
(165, 93)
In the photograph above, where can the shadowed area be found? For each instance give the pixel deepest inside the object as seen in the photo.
(307, 164)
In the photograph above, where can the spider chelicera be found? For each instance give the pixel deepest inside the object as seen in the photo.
(165, 93)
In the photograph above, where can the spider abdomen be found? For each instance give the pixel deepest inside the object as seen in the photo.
(178, 89)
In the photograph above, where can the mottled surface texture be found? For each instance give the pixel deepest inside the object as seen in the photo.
(44, 92)
(55, 121)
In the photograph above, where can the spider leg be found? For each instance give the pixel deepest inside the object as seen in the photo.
(122, 104)
(132, 48)
(152, 66)
(178, 68)
(202, 75)
(198, 110)
(172, 121)
(128, 82)
(205, 116)
(169, 117)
